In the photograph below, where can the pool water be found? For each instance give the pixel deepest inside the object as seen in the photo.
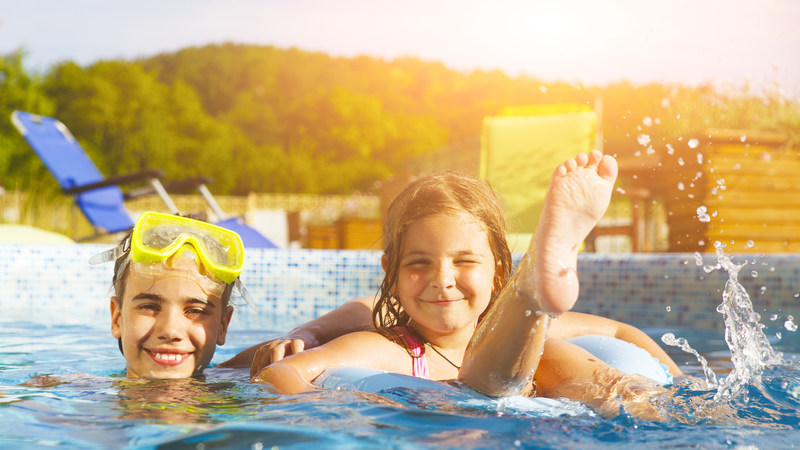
(64, 386)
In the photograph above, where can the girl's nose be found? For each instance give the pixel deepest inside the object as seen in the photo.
(443, 277)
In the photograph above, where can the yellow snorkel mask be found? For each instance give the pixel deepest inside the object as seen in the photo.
(168, 245)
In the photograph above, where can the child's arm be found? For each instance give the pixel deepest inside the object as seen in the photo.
(569, 371)
(293, 375)
(506, 347)
(355, 315)
(572, 324)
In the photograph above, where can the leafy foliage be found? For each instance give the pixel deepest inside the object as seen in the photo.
(276, 120)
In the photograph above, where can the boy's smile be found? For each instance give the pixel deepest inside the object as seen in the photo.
(169, 327)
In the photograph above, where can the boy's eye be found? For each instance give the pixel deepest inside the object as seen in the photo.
(148, 307)
(196, 312)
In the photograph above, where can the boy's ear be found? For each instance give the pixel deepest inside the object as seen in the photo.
(116, 318)
(384, 261)
(223, 326)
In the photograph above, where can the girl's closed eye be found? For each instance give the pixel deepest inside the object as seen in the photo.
(467, 261)
(418, 263)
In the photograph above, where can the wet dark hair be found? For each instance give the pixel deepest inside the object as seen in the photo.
(120, 278)
(438, 193)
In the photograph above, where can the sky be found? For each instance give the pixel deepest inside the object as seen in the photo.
(593, 42)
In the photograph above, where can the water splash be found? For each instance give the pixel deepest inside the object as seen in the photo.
(683, 344)
(744, 335)
(750, 349)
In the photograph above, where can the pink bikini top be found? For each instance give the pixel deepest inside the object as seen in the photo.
(419, 367)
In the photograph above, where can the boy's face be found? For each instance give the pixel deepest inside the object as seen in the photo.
(169, 327)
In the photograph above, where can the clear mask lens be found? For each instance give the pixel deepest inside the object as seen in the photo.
(183, 264)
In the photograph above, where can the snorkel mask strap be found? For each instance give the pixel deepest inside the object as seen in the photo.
(113, 254)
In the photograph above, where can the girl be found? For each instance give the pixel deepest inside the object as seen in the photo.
(446, 261)
(173, 278)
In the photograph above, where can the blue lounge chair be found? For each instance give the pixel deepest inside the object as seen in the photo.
(100, 198)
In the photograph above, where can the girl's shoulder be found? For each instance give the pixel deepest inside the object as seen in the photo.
(370, 349)
(372, 338)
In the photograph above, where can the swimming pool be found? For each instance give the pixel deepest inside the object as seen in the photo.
(62, 377)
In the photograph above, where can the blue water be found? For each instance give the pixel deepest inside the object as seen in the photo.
(65, 387)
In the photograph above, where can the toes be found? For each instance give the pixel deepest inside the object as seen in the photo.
(560, 171)
(571, 165)
(581, 159)
(607, 169)
(595, 156)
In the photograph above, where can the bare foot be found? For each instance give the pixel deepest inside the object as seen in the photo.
(578, 196)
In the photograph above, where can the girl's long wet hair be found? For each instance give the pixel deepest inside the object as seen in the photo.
(438, 193)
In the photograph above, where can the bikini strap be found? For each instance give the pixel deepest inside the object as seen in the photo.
(416, 350)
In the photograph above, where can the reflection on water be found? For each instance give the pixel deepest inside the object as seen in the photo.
(65, 386)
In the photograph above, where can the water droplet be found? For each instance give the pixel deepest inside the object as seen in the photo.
(680, 186)
(789, 324)
(650, 150)
(527, 312)
(714, 214)
(691, 195)
(657, 121)
(737, 166)
(708, 269)
(743, 138)
(773, 317)
(778, 335)
(749, 244)
(678, 117)
(701, 242)
(637, 153)
(693, 143)
(699, 157)
(669, 308)
(620, 190)
(698, 258)
(680, 161)
(754, 274)
(797, 295)
(772, 269)
(647, 121)
(665, 103)
(702, 215)
(643, 139)
(543, 89)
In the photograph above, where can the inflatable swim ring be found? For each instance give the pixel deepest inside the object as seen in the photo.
(614, 352)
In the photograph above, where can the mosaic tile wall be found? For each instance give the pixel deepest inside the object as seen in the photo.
(51, 284)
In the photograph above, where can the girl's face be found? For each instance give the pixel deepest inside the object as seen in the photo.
(446, 272)
(169, 327)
